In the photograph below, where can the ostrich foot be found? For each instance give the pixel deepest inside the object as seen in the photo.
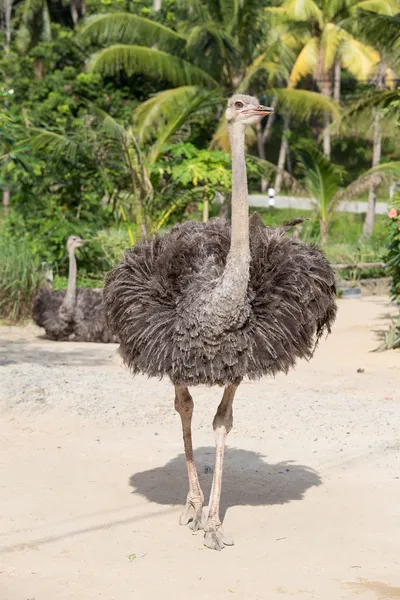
(192, 515)
(216, 539)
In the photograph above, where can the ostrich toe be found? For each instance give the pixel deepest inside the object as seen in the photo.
(217, 539)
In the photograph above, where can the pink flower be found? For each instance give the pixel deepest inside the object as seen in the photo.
(398, 228)
(392, 214)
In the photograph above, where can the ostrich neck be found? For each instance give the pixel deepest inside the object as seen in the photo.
(70, 297)
(227, 305)
(239, 250)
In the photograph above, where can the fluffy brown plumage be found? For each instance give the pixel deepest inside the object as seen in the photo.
(86, 324)
(155, 299)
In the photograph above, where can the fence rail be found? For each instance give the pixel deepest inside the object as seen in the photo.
(360, 266)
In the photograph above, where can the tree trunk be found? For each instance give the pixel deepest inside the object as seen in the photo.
(323, 231)
(6, 23)
(336, 82)
(74, 12)
(83, 7)
(157, 5)
(262, 138)
(368, 228)
(327, 136)
(206, 209)
(325, 85)
(39, 68)
(282, 153)
(6, 201)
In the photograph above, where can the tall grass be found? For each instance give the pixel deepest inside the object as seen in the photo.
(20, 279)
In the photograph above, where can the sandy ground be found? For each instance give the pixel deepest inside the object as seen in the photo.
(93, 478)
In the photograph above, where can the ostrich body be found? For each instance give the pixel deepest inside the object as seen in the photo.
(72, 314)
(211, 303)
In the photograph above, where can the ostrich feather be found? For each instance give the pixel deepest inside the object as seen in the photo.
(151, 299)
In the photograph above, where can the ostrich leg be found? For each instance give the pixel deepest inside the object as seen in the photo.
(214, 536)
(192, 513)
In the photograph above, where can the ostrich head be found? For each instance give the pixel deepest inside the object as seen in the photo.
(246, 110)
(74, 242)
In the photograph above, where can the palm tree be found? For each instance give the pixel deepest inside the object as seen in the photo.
(36, 26)
(5, 22)
(326, 46)
(212, 54)
(322, 180)
(379, 30)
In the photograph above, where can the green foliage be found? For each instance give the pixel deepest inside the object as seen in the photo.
(100, 152)
(20, 279)
(393, 254)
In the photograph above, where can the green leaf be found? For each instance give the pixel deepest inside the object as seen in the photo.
(127, 28)
(321, 179)
(302, 104)
(150, 62)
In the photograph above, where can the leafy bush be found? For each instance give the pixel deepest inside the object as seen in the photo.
(393, 255)
(20, 279)
(392, 337)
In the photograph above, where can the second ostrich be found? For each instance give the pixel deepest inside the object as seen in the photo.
(211, 303)
(75, 314)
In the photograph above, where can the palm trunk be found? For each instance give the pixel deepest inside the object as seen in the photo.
(282, 153)
(368, 228)
(263, 137)
(327, 136)
(6, 201)
(336, 82)
(324, 84)
(74, 12)
(7, 9)
(323, 231)
(206, 207)
(39, 68)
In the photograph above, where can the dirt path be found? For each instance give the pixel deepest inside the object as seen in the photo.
(92, 476)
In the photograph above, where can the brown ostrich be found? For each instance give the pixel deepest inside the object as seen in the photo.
(211, 303)
(73, 314)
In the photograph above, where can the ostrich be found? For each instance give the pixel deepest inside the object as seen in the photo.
(76, 315)
(210, 303)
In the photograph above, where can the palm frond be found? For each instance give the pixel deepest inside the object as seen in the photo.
(127, 28)
(151, 115)
(381, 7)
(381, 30)
(150, 62)
(303, 10)
(211, 47)
(306, 62)
(179, 118)
(302, 104)
(321, 179)
(330, 42)
(380, 175)
(54, 144)
(358, 58)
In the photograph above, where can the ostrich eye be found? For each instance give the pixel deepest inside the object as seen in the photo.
(238, 104)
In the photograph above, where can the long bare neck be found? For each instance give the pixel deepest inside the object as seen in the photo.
(239, 249)
(70, 296)
(228, 304)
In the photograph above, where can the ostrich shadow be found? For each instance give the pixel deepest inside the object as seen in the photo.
(247, 481)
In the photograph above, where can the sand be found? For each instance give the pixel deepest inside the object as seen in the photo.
(92, 476)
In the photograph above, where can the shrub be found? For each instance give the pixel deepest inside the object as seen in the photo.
(20, 279)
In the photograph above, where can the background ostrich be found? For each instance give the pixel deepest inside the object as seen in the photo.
(72, 314)
(210, 303)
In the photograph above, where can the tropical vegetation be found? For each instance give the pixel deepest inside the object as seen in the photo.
(111, 121)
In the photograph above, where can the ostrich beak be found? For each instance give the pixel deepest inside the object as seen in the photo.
(262, 110)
